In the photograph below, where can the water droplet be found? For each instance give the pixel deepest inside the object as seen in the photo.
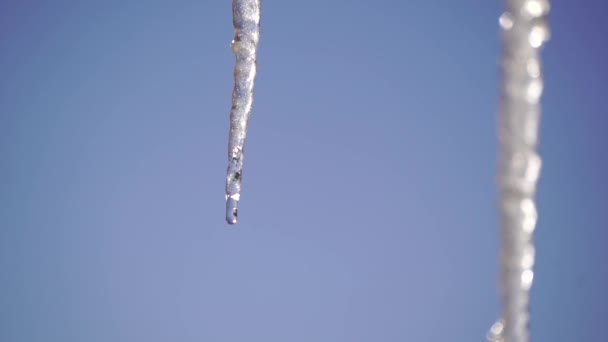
(534, 91)
(506, 21)
(526, 279)
(538, 35)
(496, 331)
(536, 8)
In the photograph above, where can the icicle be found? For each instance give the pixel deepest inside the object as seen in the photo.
(524, 31)
(246, 20)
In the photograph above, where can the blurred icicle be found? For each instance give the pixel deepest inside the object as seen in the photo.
(246, 20)
(524, 30)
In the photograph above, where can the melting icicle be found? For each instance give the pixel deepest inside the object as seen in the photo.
(524, 31)
(246, 20)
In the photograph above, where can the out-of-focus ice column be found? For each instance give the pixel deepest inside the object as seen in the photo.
(246, 20)
(524, 30)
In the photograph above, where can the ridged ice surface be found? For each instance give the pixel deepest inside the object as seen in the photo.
(524, 30)
(246, 20)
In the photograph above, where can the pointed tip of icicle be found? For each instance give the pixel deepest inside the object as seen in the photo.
(231, 210)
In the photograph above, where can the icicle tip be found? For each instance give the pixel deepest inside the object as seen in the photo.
(231, 210)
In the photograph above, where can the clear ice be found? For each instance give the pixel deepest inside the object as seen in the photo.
(246, 20)
(524, 30)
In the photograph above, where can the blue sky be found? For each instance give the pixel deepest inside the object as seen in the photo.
(368, 205)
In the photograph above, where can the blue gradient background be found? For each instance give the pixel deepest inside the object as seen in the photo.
(368, 211)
